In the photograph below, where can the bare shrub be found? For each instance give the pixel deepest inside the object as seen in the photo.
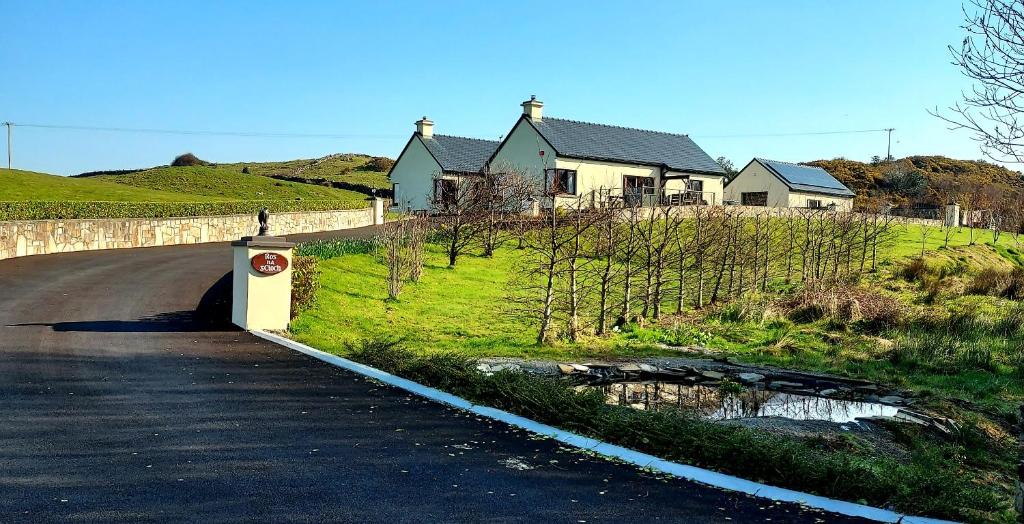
(915, 270)
(844, 304)
(995, 282)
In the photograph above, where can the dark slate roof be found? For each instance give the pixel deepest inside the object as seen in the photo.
(456, 153)
(806, 178)
(584, 140)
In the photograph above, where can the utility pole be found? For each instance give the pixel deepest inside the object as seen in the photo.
(9, 125)
(888, 148)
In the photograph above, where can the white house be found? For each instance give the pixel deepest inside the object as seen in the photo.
(782, 184)
(601, 162)
(428, 159)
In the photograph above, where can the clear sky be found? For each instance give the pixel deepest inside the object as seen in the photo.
(366, 71)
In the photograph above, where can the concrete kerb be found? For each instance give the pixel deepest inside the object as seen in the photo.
(643, 460)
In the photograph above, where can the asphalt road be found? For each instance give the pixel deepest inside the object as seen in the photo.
(116, 405)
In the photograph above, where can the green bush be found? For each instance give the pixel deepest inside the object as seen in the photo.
(188, 159)
(68, 210)
(305, 283)
(379, 163)
(927, 483)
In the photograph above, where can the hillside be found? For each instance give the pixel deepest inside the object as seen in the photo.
(354, 169)
(17, 185)
(223, 182)
(924, 180)
(356, 172)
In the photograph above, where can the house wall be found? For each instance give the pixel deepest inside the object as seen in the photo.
(39, 237)
(414, 173)
(602, 177)
(799, 199)
(521, 150)
(755, 178)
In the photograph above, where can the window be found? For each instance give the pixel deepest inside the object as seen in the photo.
(445, 192)
(695, 186)
(561, 181)
(814, 203)
(394, 195)
(758, 198)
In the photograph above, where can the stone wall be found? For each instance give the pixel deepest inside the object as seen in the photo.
(38, 237)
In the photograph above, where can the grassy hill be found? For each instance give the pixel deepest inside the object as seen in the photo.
(348, 169)
(223, 182)
(882, 180)
(17, 185)
(160, 192)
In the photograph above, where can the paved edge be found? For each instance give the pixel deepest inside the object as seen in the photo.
(643, 460)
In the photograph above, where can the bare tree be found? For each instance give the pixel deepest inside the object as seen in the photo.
(416, 232)
(457, 209)
(505, 192)
(392, 241)
(992, 55)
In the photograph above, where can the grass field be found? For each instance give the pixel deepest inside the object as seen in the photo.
(18, 185)
(226, 183)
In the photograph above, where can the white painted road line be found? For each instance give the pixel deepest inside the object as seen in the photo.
(711, 478)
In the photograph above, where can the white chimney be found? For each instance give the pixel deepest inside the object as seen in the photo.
(425, 128)
(533, 108)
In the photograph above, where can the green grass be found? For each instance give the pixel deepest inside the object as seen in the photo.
(907, 243)
(16, 185)
(225, 183)
(461, 308)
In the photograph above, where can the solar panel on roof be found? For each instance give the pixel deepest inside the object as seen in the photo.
(806, 175)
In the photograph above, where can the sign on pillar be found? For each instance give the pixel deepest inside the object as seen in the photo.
(262, 290)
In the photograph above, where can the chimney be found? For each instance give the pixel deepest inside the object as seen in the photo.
(533, 108)
(425, 128)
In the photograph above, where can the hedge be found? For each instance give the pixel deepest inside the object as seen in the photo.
(44, 210)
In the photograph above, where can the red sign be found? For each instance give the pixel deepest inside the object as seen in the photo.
(269, 263)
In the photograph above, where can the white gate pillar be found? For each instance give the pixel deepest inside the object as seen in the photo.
(262, 285)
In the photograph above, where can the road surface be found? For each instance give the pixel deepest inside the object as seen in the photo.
(117, 405)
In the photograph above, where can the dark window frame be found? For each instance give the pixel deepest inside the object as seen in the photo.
(752, 198)
(560, 181)
(445, 191)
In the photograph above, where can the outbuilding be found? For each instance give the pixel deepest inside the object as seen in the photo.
(773, 183)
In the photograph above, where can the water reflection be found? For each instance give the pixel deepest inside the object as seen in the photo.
(715, 404)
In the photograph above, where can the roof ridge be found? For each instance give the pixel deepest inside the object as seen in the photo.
(467, 138)
(615, 126)
(762, 159)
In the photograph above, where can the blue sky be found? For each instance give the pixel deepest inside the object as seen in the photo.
(366, 71)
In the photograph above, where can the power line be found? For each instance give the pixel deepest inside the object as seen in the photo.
(802, 133)
(203, 132)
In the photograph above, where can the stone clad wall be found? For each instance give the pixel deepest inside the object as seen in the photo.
(38, 237)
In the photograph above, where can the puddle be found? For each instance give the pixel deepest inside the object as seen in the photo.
(715, 404)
